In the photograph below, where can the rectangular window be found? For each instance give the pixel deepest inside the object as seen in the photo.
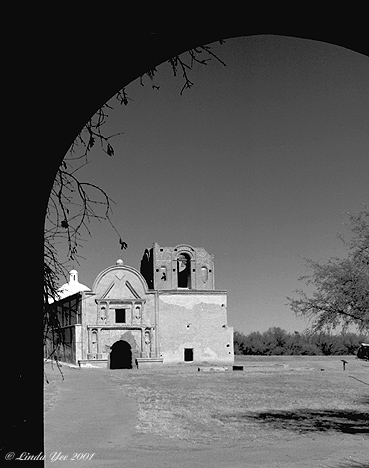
(120, 315)
(188, 354)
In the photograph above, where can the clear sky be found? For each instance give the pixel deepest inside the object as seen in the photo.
(257, 163)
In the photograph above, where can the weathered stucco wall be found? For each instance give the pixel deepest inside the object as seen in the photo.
(195, 321)
(115, 288)
(165, 267)
(109, 337)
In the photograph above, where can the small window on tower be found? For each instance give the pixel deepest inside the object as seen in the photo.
(120, 315)
(163, 271)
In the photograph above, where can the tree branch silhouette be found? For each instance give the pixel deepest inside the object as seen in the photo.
(341, 295)
(74, 204)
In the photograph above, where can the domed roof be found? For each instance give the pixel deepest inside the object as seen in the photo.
(72, 287)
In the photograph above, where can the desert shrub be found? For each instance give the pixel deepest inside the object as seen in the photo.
(276, 341)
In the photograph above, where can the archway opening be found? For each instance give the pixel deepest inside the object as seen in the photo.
(121, 355)
(184, 271)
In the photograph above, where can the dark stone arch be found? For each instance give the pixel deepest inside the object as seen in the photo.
(59, 95)
(139, 53)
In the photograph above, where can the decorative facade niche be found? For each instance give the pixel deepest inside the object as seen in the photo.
(204, 274)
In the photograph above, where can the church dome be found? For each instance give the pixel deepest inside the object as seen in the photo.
(72, 287)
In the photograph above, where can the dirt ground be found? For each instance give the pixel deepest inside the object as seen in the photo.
(277, 412)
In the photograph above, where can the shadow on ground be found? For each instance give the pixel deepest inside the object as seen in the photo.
(364, 400)
(309, 420)
(352, 464)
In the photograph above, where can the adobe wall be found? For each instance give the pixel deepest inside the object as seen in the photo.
(196, 321)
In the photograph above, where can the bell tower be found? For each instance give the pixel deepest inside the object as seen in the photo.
(183, 268)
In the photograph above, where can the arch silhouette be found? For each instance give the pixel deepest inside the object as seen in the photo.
(66, 78)
(121, 355)
(141, 52)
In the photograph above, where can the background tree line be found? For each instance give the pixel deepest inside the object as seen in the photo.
(276, 341)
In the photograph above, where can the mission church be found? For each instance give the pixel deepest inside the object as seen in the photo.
(168, 313)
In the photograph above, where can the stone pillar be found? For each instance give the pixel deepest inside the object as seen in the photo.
(193, 273)
(152, 348)
(107, 312)
(142, 342)
(174, 274)
(78, 342)
(157, 348)
(98, 314)
(89, 340)
(98, 346)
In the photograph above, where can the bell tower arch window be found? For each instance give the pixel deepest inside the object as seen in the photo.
(204, 274)
(184, 271)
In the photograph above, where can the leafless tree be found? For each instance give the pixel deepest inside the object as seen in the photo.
(341, 285)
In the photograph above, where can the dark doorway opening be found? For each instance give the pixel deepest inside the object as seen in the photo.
(121, 355)
(188, 354)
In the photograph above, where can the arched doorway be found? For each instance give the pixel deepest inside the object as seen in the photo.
(121, 355)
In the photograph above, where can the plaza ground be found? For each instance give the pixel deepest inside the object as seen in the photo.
(279, 411)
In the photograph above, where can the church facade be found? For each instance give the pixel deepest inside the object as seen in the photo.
(168, 313)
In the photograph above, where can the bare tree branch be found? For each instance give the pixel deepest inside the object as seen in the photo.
(74, 204)
(341, 295)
